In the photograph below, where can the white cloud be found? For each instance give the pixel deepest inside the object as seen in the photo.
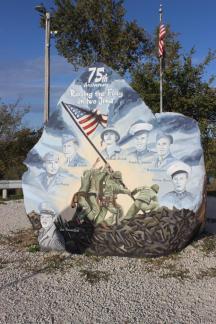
(25, 79)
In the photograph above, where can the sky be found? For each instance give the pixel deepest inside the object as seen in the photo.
(22, 46)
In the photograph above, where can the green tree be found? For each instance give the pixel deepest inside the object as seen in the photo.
(15, 140)
(11, 119)
(184, 88)
(89, 31)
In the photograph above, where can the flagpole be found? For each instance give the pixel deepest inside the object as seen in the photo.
(161, 68)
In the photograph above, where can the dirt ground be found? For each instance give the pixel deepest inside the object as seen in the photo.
(50, 287)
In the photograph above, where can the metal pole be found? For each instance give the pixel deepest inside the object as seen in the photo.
(161, 68)
(47, 69)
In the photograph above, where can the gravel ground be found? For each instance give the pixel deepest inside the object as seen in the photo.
(39, 287)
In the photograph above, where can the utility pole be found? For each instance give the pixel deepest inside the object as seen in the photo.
(47, 69)
(43, 13)
(161, 68)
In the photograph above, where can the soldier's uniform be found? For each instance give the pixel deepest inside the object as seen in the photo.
(87, 196)
(140, 154)
(73, 158)
(49, 237)
(114, 151)
(163, 161)
(179, 198)
(146, 200)
(111, 187)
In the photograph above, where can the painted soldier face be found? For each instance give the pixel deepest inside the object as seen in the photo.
(46, 220)
(52, 166)
(141, 141)
(69, 148)
(163, 146)
(110, 138)
(180, 181)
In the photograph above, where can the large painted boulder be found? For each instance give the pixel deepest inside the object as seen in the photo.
(110, 177)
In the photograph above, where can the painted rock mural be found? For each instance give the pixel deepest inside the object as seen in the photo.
(109, 177)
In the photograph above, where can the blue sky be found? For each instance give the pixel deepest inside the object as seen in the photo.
(22, 46)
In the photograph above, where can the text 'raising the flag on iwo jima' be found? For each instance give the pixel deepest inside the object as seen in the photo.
(106, 97)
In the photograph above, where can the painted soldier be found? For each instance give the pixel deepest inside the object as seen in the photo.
(179, 198)
(164, 156)
(69, 147)
(111, 187)
(146, 200)
(53, 175)
(140, 153)
(110, 137)
(49, 238)
(87, 196)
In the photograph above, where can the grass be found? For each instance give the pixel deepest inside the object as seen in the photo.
(53, 262)
(159, 262)
(33, 248)
(20, 239)
(209, 244)
(210, 273)
(94, 276)
(174, 272)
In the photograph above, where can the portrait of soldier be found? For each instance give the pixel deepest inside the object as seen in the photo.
(49, 238)
(179, 198)
(163, 156)
(52, 175)
(140, 152)
(145, 200)
(112, 151)
(69, 147)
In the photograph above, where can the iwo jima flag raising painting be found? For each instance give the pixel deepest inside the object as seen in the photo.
(88, 120)
(110, 177)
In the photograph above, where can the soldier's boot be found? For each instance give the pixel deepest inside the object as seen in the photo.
(132, 211)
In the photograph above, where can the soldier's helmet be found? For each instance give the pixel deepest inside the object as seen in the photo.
(45, 208)
(155, 187)
(117, 175)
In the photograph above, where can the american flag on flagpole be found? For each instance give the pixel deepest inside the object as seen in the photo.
(162, 33)
(88, 120)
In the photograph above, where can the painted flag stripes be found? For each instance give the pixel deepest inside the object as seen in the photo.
(162, 32)
(88, 120)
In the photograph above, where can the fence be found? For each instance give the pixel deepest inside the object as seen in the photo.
(9, 184)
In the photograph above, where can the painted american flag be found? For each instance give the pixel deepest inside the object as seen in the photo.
(162, 33)
(88, 120)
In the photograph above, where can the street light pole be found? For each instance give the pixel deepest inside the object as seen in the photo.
(47, 69)
(43, 13)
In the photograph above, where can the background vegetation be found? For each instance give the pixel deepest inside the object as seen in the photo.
(90, 31)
